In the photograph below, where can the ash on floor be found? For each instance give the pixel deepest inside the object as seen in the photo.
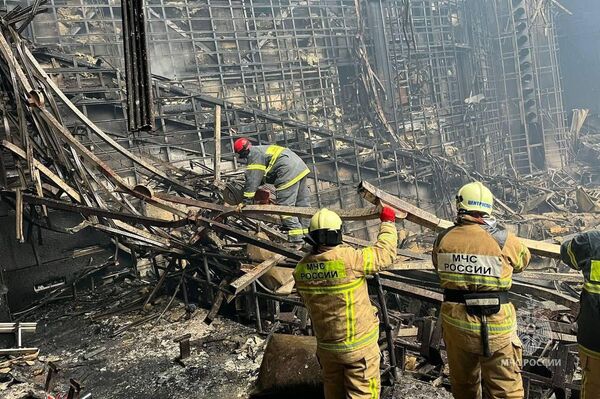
(141, 362)
(409, 388)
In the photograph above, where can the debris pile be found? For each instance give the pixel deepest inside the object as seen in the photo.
(79, 341)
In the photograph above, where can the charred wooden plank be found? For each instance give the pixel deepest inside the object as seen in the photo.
(411, 291)
(71, 192)
(216, 306)
(19, 216)
(534, 275)
(217, 159)
(160, 282)
(238, 285)
(249, 238)
(546, 293)
(410, 265)
(306, 212)
(100, 164)
(91, 211)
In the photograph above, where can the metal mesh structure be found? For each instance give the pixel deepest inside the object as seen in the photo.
(392, 91)
(534, 147)
(279, 56)
(438, 77)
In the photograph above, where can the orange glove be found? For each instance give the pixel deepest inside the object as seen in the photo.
(387, 214)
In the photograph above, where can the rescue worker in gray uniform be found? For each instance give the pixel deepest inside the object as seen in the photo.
(284, 169)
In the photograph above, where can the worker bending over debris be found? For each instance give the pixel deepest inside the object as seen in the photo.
(583, 253)
(281, 167)
(332, 283)
(475, 260)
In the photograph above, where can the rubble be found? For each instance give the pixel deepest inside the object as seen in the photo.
(140, 363)
(224, 362)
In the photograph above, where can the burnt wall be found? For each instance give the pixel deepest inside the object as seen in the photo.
(48, 257)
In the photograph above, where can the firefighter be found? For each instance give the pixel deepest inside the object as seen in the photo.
(283, 168)
(475, 260)
(583, 253)
(332, 283)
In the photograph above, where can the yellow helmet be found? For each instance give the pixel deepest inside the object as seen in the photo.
(475, 197)
(325, 219)
(325, 229)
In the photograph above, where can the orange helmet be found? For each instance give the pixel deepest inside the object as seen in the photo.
(242, 147)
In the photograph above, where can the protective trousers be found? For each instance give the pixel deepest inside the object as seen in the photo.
(296, 195)
(590, 385)
(499, 374)
(351, 375)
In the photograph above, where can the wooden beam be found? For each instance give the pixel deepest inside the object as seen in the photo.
(411, 265)
(306, 212)
(542, 248)
(546, 293)
(518, 287)
(19, 215)
(102, 166)
(545, 276)
(11, 60)
(238, 285)
(429, 220)
(249, 238)
(100, 212)
(47, 172)
(413, 214)
(408, 332)
(401, 288)
(216, 306)
(567, 338)
(217, 159)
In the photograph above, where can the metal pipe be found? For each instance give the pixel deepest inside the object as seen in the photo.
(396, 373)
(256, 308)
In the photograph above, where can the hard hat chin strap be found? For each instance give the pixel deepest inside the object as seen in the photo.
(473, 213)
(325, 237)
(479, 217)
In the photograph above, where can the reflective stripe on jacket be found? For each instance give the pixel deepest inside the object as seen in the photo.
(582, 253)
(333, 287)
(474, 257)
(275, 165)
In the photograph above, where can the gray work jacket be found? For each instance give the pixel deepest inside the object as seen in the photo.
(275, 165)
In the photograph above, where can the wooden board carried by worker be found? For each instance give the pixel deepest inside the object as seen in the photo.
(429, 220)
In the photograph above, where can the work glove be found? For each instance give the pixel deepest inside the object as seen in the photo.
(238, 207)
(387, 214)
